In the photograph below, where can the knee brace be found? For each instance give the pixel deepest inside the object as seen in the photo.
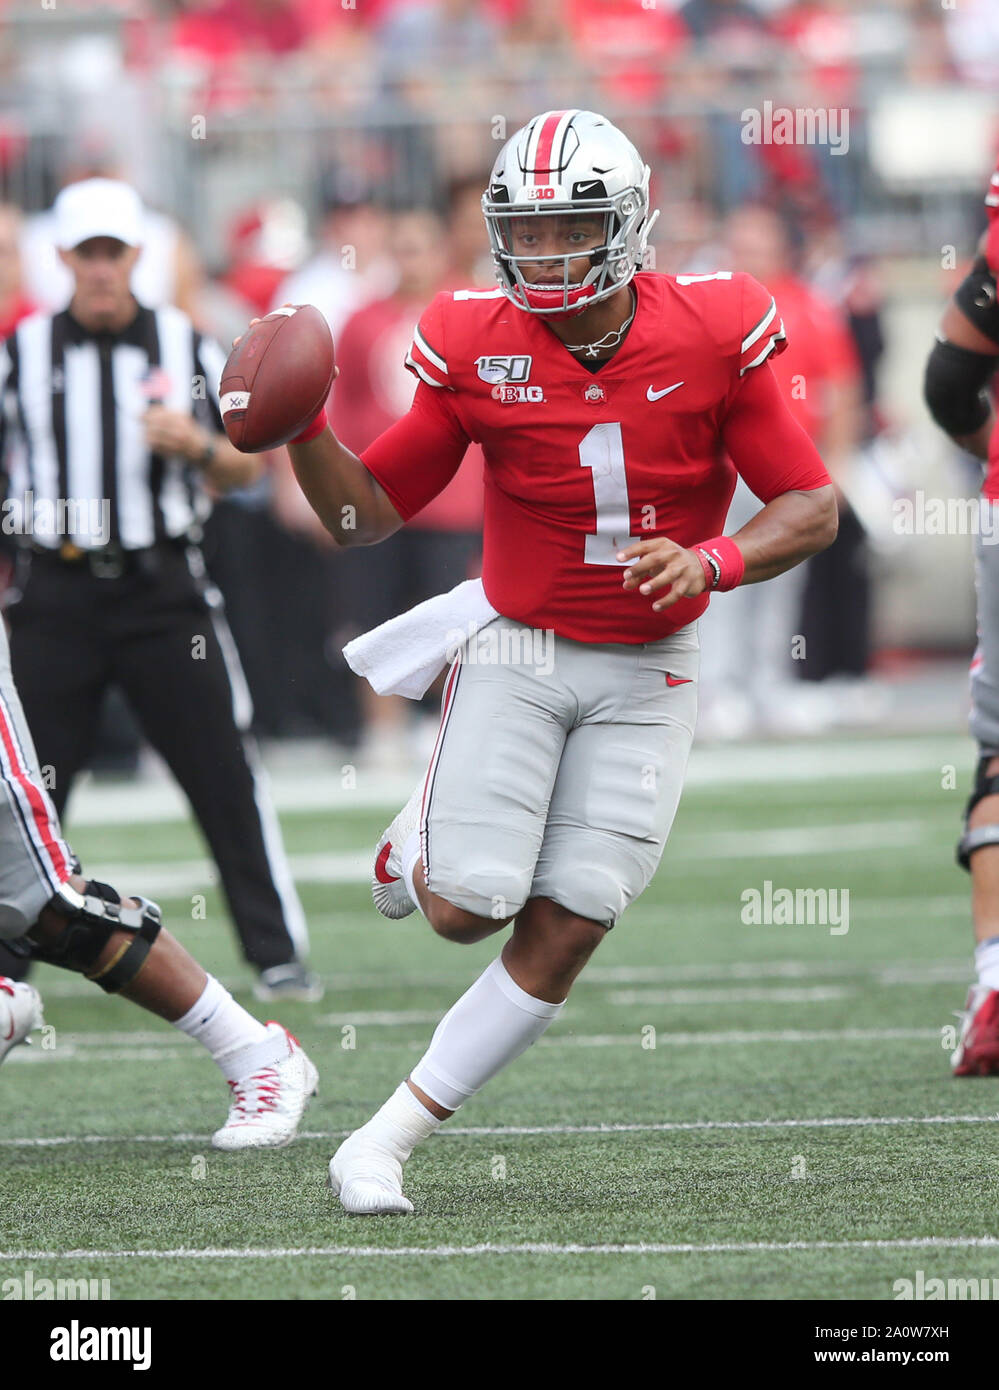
(954, 387)
(92, 918)
(982, 835)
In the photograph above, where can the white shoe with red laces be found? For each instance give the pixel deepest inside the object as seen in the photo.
(269, 1102)
(20, 1012)
(977, 1051)
(388, 887)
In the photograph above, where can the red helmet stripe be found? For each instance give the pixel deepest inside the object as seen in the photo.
(542, 160)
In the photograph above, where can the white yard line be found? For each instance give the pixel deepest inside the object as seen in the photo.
(703, 998)
(181, 877)
(121, 1047)
(531, 1248)
(504, 1131)
(320, 787)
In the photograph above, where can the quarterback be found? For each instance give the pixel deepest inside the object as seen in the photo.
(613, 407)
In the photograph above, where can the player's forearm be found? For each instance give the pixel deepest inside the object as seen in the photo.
(790, 529)
(341, 491)
(230, 467)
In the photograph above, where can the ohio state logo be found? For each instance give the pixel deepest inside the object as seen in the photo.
(594, 394)
(509, 395)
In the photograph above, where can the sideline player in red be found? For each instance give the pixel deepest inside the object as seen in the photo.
(607, 404)
(961, 365)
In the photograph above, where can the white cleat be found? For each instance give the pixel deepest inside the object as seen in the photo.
(20, 1012)
(268, 1104)
(367, 1177)
(388, 887)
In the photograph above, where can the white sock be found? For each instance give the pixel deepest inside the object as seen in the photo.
(238, 1042)
(411, 856)
(401, 1123)
(490, 1025)
(987, 962)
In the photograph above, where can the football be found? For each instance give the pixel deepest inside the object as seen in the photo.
(277, 378)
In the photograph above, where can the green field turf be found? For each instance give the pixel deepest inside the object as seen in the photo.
(725, 1135)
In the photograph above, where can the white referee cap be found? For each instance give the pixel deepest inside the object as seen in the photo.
(98, 207)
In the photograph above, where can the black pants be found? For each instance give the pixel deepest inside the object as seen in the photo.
(155, 633)
(836, 605)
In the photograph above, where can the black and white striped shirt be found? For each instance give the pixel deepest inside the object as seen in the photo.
(72, 441)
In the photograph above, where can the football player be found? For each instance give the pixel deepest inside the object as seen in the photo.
(614, 407)
(961, 365)
(50, 912)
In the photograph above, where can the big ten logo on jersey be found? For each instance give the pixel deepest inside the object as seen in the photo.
(512, 395)
(499, 369)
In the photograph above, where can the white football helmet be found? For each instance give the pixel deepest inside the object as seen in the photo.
(569, 162)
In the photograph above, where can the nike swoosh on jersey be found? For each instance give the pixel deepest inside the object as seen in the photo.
(672, 680)
(652, 395)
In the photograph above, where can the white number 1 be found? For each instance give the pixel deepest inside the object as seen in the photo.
(602, 452)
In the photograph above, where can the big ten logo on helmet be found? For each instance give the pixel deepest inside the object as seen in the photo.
(497, 369)
(544, 191)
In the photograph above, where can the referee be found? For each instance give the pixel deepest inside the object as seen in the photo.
(109, 433)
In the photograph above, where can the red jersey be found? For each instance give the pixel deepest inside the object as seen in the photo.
(580, 464)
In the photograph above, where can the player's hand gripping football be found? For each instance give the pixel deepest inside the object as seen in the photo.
(236, 341)
(663, 567)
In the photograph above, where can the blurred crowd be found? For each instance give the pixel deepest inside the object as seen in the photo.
(224, 45)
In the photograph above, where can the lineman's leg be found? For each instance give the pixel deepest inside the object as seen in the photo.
(51, 913)
(62, 670)
(977, 1052)
(58, 658)
(119, 944)
(180, 671)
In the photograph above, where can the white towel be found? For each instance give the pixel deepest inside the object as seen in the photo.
(405, 655)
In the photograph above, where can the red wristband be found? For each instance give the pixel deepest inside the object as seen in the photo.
(722, 562)
(310, 431)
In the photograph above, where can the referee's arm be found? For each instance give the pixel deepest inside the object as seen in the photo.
(199, 436)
